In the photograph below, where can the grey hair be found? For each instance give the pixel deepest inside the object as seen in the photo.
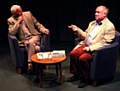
(13, 8)
(106, 11)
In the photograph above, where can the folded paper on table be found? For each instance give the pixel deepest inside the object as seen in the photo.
(44, 55)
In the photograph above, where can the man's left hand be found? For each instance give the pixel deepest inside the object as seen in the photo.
(46, 31)
(86, 49)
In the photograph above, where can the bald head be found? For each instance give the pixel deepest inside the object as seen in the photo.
(104, 9)
(101, 12)
(16, 10)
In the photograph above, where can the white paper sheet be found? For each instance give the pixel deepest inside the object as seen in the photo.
(42, 55)
(54, 53)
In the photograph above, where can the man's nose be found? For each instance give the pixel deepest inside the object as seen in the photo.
(96, 13)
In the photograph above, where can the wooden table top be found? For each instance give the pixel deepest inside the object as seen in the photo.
(54, 60)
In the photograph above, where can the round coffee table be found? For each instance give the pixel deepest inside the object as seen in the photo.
(54, 61)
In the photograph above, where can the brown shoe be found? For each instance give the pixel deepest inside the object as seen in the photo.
(30, 66)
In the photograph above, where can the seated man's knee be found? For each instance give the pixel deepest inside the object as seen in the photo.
(82, 58)
(37, 48)
(85, 57)
(31, 41)
(72, 53)
(31, 44)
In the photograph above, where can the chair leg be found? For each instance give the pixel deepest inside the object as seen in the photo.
(94, 83)
(19, 70)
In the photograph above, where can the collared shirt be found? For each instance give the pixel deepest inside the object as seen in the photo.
(92, 34)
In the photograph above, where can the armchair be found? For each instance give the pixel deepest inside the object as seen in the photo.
(104, 62)
(19, 53)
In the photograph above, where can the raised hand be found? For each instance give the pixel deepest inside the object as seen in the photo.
(73, 27)
(46, 31)
(20, 19)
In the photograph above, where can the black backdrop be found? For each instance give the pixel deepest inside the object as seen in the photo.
(58, 14)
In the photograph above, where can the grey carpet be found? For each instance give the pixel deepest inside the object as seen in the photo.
(11, 81)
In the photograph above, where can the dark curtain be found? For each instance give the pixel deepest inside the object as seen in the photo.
(56, 15)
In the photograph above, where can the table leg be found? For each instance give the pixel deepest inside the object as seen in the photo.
(37, 72)
(60, 70)
(41, 76)
(56, 70)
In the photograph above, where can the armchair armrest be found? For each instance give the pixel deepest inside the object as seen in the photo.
(46, 41)
(15, 49)
(105, 52)
(104, 61)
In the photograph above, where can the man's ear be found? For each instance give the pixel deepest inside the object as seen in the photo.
(105, 14)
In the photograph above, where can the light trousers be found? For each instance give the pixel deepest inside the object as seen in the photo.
(32, 45)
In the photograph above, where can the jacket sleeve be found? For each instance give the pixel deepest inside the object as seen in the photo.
(37, 24)
(13, 27)
(106, 40)
(82, 34)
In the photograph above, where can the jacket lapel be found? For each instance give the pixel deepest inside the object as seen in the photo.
(25, 19)
(100, 28)
(98, 31)
(90, 29)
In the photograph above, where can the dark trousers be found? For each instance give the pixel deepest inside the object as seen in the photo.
(80, 61)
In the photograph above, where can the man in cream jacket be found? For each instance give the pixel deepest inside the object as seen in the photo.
(99, 33)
